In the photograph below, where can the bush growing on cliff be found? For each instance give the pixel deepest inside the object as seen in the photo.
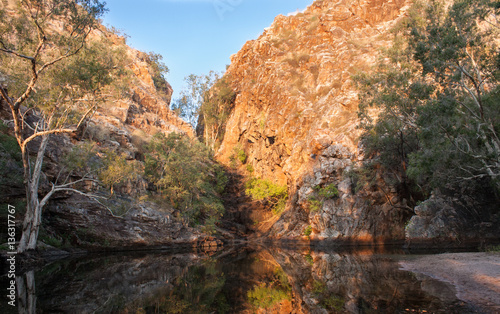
(238, 154)
(314, 204)
(160, 70)
(117, 170)
(308, 231)
(326, 192)
(111, 168)
(184, 172)
(265, 190)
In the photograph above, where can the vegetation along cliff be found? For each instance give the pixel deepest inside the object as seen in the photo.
(378, 118)
(88, 141)
(357, 120)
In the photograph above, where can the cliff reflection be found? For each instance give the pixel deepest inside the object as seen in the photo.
(244, 280)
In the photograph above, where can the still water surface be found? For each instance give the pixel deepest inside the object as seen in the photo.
(236, 280)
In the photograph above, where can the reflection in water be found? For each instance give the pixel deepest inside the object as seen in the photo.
(243, 280)
(26, 293)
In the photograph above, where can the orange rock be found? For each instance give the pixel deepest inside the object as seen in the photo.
(295, 92)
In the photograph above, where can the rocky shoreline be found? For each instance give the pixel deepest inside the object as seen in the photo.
(474, 276)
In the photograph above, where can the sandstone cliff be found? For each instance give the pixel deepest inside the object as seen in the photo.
(144, 107)
(295, 116)
(123, 122)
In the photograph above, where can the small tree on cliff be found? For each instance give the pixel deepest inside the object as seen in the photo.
(206, 105)
(37, 38)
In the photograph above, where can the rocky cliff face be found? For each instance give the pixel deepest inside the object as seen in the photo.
(122, 123)
(295, 116)
(144, 107)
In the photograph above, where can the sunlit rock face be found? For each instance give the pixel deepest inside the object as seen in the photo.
(295, 115)
(144, 107)
(124, 121)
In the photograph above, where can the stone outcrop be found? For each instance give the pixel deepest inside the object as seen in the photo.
(444, 219)
(295, 116)
(145, 109)
(84, 223)
(122, 124)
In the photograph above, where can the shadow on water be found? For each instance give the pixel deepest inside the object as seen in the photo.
(237, 280)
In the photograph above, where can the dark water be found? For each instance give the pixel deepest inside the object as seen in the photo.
(237, 280)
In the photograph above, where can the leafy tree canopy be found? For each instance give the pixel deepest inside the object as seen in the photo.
(438, 96)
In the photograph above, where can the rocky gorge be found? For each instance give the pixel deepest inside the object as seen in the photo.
(294, 119)
(275, 201)
(123, 124)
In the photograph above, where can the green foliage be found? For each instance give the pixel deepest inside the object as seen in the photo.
(50, 239)
(242, 156)
(309, 259)
(9, 145)
(308, 231)
(55, 242)
(327, 300)
(319, 287)
(265, 190)
(282, 278)
(117, 169)
(261, 189)
(328, 191)
(238, 154)
(362, 177)
(265, 297)
(206, 105)
(280, 206)
(438, 95)
(492, 248)
(82, 157)
(19, 33)
(112, 168)
(184, 172)
(159, 69)
(198, 289)
(314, 204)
(215, 110)
(250, 168)
(11, 165)
(90, 69)
(333, 302)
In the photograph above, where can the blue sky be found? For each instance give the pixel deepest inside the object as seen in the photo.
(194, 36)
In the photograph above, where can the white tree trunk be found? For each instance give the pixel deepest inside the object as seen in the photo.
(33, 217)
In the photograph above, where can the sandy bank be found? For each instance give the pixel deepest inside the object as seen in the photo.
(475, 276)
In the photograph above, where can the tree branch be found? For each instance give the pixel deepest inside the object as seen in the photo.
(4, 49)
(58, 131)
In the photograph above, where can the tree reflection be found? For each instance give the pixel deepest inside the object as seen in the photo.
(198, 290)
(244, 280)
(26, 293)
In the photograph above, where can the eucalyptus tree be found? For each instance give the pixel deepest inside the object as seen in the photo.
(39, 43)
(437, 94)
(458, 52)
(206, 105)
